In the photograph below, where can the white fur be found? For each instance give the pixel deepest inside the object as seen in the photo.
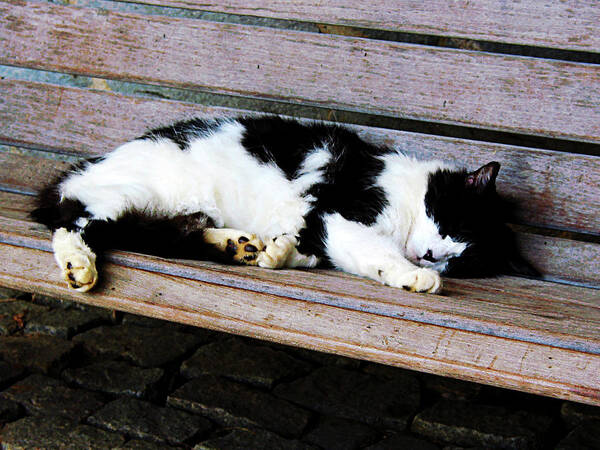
(215, 175)
(405, 220)
(391, 249)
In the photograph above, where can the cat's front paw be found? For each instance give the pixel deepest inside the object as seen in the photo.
(277, 252)
(79, 271)
(418, 280)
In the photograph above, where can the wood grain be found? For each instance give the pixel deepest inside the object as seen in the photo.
(551, 188)
(515, 94)
(535, 368)
(566, 24)
(526, 310)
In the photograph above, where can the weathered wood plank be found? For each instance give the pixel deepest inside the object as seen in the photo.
(471, 356)
(551, 188)
(28, 174)
(516, 94)
(558, 259)
(563, 258)
(566, 24)
(532, 311)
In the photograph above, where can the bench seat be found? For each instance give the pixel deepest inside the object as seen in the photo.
(78, 80)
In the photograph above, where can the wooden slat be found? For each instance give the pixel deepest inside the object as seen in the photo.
(531, 311)
(552, 188)
(471, 356)
(569, 24)
(516, 94)
(563, 259)
(28, 174)
(558, 259)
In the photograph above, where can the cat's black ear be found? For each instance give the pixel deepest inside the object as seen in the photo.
(484, 178)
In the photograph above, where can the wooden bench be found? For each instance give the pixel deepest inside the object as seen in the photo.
(515, 82)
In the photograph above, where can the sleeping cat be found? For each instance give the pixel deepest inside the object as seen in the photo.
(277, 193)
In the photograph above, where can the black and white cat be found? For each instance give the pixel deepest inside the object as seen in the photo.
(280, 194)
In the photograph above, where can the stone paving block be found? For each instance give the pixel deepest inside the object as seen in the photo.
(144, 420)
(53, 302)
(384, 403)
(584, 436)
(402, 441)
(233, 404)
(36, 352)
(41, 395)
(319, 358)
(468, 424)
(245, 439)
(10, 411)
(64, 323)
(449, 388)
(136, 444)
(15, 314)
(150, 322)
(56, 432)
(575, 413)
(9, 373)
(115, 377)
(258, 365)
(340, 434)
(140, 345)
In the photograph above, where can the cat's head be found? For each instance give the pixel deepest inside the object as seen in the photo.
(462, 230)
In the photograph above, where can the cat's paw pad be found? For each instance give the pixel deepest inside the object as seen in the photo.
(239, 246)
(244, 249)
(80, 272)
(419, 280)
(277, 251)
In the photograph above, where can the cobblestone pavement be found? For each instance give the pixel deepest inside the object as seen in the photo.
(79, 377)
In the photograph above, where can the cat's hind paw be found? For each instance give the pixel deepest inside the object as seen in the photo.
(277, 252)
(418, 280)
(79, 272)
(240, 247)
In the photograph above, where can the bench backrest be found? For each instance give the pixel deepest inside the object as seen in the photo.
(514, 82)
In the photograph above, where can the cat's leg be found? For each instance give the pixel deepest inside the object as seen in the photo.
(359, 249)
(75, 258)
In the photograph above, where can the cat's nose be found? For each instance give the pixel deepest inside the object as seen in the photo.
(429, 256)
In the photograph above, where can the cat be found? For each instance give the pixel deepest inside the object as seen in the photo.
(278, 193)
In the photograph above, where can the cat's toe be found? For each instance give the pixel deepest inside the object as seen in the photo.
(244, 249)
(277, 251)
(239, 246)
(80, 273)
(419, 280)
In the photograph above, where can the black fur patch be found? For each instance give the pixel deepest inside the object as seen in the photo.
(478, 219)
(174, 237)
(348, 178)
(184, 131)
(53, 213)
